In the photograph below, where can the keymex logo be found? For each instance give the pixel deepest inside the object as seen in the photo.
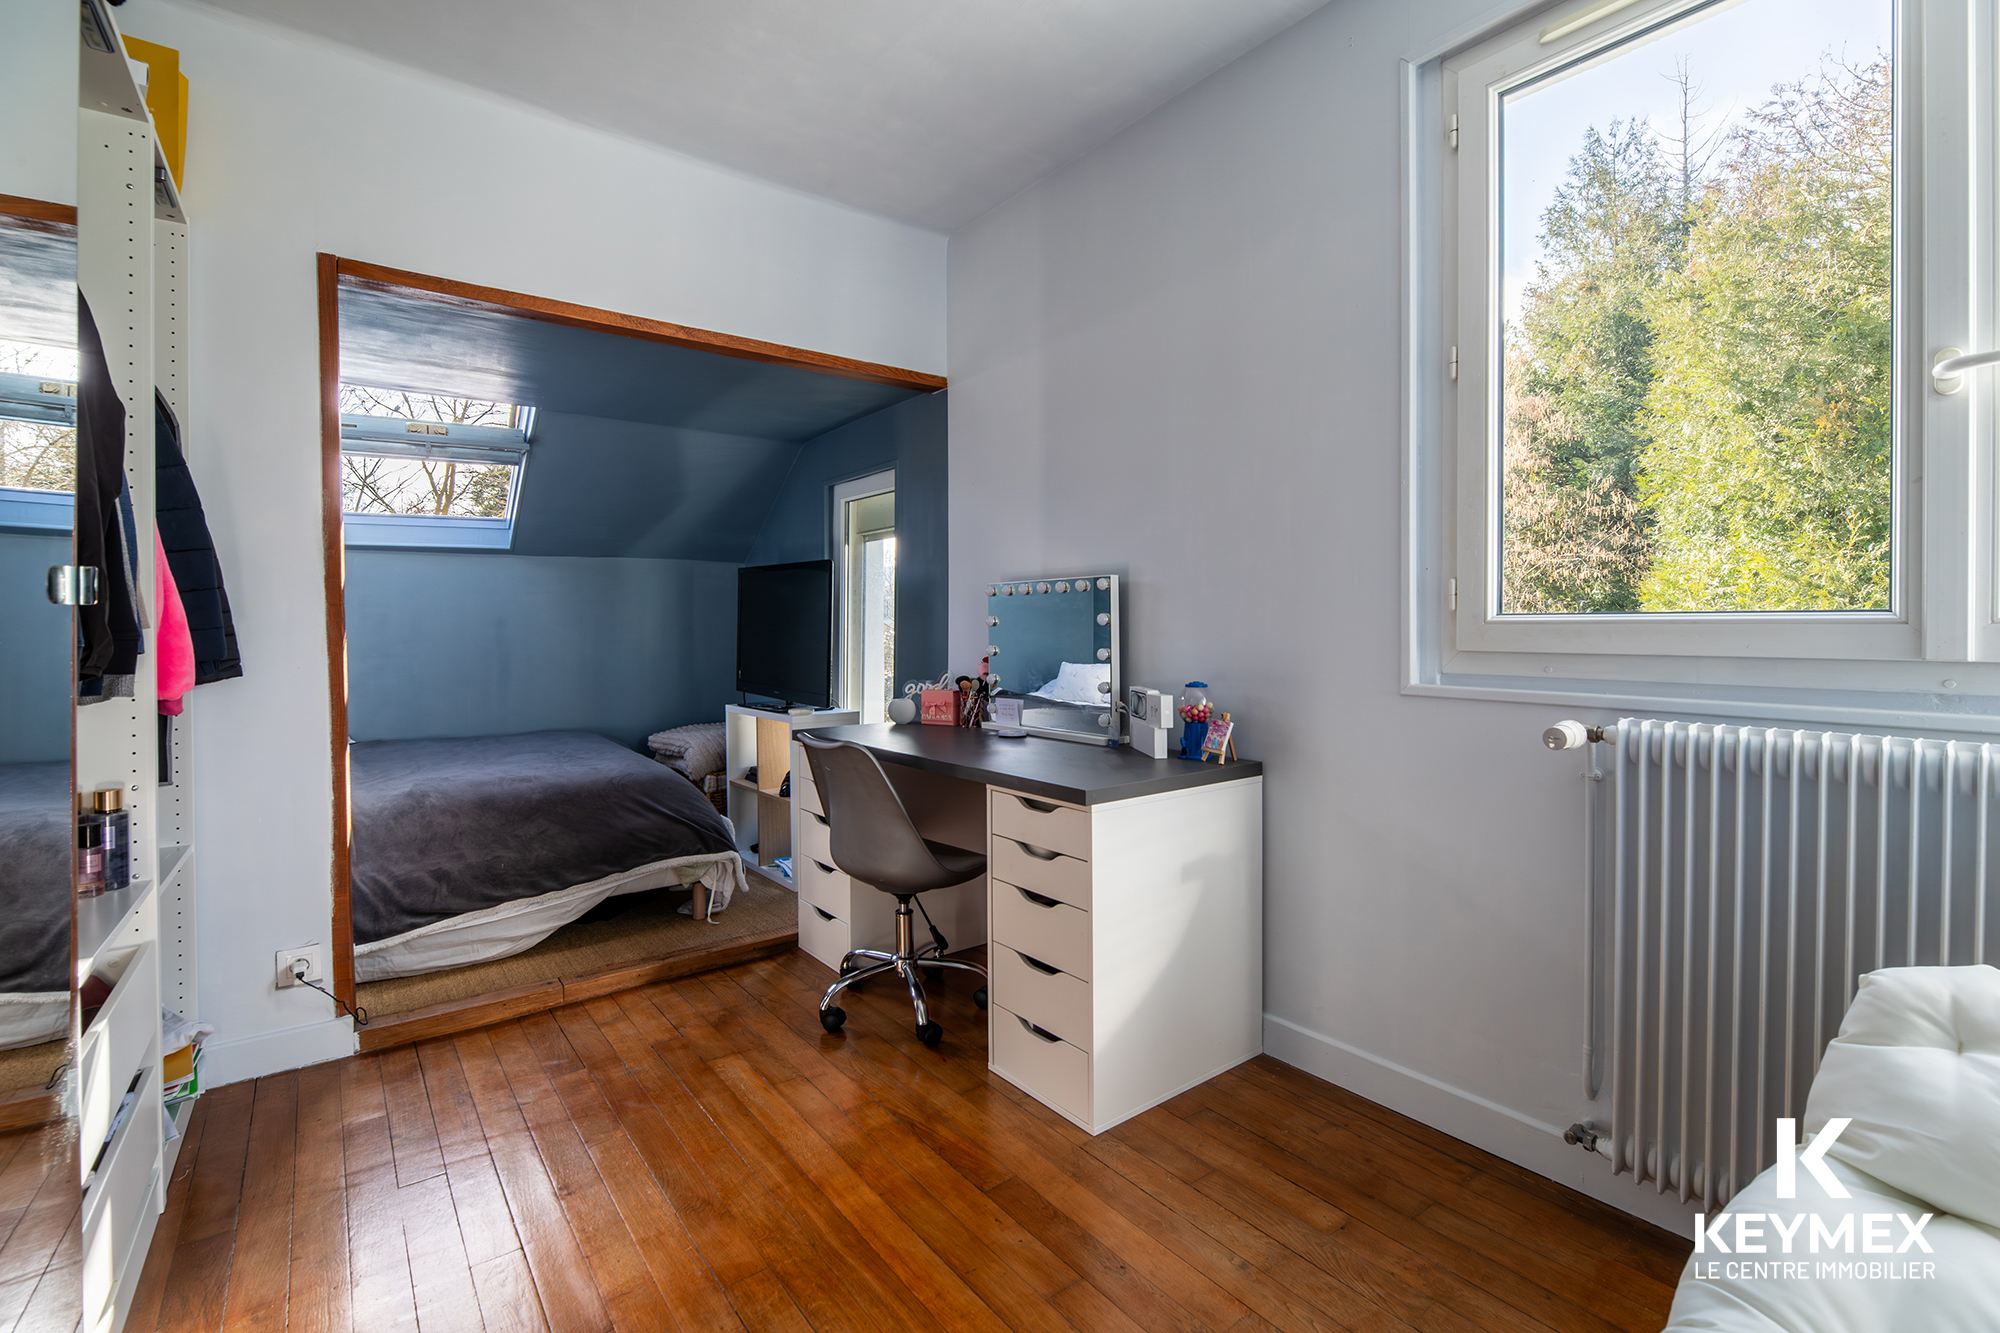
(1808, 1233)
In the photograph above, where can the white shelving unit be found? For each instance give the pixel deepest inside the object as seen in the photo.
(132, 268)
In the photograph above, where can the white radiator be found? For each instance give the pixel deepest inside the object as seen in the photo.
(1741, 879)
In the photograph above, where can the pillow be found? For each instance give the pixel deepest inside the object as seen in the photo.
(692, 751)
(1077, 683)
(1917, 1068)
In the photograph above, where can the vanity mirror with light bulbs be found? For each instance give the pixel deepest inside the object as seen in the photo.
(1053, 644)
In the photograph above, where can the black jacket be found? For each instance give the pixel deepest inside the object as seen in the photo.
(110, 626)
(191, 553)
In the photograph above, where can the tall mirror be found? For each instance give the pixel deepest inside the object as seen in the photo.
(1053, 646)
(38, 826)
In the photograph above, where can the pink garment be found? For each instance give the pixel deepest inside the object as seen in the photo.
(176, 648)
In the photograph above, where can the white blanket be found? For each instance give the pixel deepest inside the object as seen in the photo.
(517, 926)
(1916, 1070)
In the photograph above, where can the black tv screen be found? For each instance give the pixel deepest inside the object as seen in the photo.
(784, 632)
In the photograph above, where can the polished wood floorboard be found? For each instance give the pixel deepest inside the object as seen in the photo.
(697, 1154)
(41, 1230)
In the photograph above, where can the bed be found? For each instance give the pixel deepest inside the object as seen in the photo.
(476, 848)
(34, 903)
(1915, 1073)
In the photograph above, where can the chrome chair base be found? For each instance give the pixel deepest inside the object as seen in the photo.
(905, 961)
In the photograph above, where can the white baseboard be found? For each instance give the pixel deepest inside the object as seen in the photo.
(1504, 1132)
(226, 1062)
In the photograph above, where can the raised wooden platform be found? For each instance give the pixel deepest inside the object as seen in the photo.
(439, 1020)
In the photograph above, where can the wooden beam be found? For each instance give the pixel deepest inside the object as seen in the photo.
(333, 559)
(449, 291)
(38, 215)
(24, 1108)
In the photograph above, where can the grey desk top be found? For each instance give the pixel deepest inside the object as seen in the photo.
(1060, 770)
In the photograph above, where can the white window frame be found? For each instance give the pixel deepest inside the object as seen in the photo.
(399, 437)
(1943, 608)
(844, 493)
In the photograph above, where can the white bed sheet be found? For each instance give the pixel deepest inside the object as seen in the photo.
(29, 1018)
(514, 927)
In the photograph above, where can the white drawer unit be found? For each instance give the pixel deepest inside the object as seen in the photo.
(824, 935)
(1039, 823)
(823, 886)
(1041, 993)
(1039, 1062)
(1042, 927)
(813, 838)
(805, 794)
(1127, 944)
(1051, 874)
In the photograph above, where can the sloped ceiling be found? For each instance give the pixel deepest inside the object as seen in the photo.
(925, 111)
(639, 449)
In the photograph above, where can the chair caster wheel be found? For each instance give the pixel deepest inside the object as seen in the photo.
(979, 997)
(930, 1034)
(831, 1019)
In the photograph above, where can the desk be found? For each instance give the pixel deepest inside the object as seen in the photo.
(1122, 906)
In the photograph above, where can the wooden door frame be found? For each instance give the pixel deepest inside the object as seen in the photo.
(335, 272)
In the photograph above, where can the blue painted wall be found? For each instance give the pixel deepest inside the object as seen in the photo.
(460, 644)
(34, 651)
(598, 486)
(911, 438)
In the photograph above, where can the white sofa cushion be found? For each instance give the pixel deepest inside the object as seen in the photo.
(1917, 1068)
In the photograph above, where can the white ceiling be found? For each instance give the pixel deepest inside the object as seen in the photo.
(931, 111)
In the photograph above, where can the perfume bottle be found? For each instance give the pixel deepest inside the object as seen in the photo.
(89, 854)
(109, 806)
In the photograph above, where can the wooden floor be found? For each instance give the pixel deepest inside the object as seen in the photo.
(696, 1154)
(41, 1230)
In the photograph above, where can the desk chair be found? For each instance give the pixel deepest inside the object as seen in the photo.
(877, 845)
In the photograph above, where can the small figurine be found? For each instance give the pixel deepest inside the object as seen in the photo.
(1195, 710)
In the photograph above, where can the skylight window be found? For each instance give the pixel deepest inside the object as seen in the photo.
(429, 456)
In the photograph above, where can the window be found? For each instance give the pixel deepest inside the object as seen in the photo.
(865, 567)
(1695, 264)
(429, 469)
(37, 436)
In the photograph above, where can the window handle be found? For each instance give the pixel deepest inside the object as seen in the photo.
(1948, 370)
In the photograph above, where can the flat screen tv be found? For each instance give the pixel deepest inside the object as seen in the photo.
(784, 632)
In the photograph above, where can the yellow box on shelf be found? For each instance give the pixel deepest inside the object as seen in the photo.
(167, 99)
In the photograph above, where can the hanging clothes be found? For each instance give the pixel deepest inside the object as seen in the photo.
(108, 628)
(170, 637)
(197, 574)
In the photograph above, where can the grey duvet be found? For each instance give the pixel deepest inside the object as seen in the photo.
(445, 827)
(34, 877)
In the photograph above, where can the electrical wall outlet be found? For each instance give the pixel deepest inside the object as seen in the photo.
(314, 958)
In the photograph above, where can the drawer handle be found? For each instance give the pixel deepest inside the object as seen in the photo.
(1037, 899)
(1039, 807)
(1038, 964)
(824, 868)
(1039, 853)
(817, 819)
(826, 916)
(1042, 1034)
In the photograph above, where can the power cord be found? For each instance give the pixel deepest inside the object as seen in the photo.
(360, 1013)
(937, 935)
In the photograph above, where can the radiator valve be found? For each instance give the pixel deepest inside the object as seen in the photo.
(1571, 735)
(1582, 1136)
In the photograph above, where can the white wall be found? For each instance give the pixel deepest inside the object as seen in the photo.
(38, 60)
(1179, 357)
(297, 147)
